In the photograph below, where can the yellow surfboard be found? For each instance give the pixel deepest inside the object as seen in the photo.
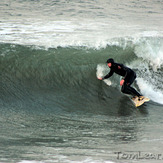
(138, 101)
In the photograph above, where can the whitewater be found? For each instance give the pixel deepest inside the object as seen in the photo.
(53, 107)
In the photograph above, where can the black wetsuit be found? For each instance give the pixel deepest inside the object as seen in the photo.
(129, 77)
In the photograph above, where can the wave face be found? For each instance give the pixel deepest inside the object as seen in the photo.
(65, 77)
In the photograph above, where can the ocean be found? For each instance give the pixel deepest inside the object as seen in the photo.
(52, 106)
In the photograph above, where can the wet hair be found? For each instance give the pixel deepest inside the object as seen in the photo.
(110, 60)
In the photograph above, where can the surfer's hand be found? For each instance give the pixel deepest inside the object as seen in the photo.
(122, 82)
(100, 78)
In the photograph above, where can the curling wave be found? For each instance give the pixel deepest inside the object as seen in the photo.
(67, 75)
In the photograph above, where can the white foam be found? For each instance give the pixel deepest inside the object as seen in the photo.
(90, 33)
(101, 72)
(151, 51)
(150, 91)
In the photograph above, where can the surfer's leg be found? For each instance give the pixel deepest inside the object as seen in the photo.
(129, 90)
(126, 88)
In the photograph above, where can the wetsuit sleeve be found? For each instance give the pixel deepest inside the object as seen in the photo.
(109, 74)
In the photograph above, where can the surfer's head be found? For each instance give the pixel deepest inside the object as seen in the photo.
(110, 61)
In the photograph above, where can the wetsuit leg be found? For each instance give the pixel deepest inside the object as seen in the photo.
(129, 90)
(126, 88)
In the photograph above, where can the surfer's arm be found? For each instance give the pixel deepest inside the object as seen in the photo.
(109, 74)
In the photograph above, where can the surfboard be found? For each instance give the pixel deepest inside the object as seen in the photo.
(138, 101)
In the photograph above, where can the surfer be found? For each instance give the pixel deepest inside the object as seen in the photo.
(128, 77)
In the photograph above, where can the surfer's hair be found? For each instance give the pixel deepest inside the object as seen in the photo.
(110, 60)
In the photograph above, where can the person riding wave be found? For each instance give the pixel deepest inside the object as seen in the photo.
(128, 77)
